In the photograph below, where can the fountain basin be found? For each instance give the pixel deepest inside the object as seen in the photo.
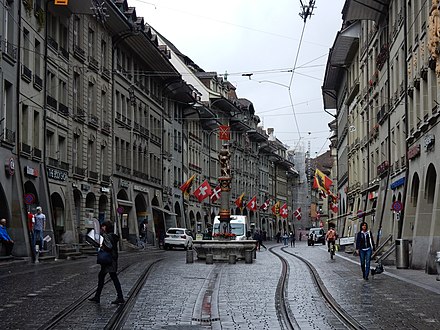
(222, 249)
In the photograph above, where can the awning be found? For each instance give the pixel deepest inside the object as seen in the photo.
(157, 208)
(365, 10)
(125, 202)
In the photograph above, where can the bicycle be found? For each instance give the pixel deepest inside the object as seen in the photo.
(140, 244)
(332, 251)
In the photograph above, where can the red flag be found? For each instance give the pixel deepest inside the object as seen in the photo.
(323, 181)
(334, 207)
(185, 187)
(224, 132)
(239, 201)
(252, 204)
(283, 211)
(276, 208)
(216, 193)
(203, 191)
(297, 213)
(265, 205)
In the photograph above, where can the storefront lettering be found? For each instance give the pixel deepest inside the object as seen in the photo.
(56, 174)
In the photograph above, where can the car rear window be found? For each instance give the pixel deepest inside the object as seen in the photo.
(175, 231)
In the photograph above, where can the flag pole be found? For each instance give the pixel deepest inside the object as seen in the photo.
(225, 185)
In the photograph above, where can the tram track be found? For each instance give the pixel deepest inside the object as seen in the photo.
(286, 316)
(118, 318)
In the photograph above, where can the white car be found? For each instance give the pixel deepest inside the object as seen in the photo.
(178, 237)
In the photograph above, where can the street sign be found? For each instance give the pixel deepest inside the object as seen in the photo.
(360, 214)
(29, 199)
(397, 206)
(120, 210)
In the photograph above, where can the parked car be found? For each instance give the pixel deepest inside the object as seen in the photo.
(178, 237)
(316, 236)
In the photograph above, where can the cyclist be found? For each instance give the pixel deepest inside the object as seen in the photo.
(331, 237)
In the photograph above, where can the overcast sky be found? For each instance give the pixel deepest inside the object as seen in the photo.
(267, 39)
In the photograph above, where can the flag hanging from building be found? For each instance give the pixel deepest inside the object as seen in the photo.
(224, 132)
(265, 205)
(323, 181)
(216, 193)
(185, 187)
(276, 208)
(297, 213)
(334, 207)
(252, 204)
(283, 211)
(203, 191)
(239, 201)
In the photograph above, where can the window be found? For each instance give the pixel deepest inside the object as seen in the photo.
(62, 149)
(77, 106)
(26, 48)
(91, 104)
(91, 41)
(62, 92)
(103, 53)
(50, 144)
(77, 32)
(37, 59)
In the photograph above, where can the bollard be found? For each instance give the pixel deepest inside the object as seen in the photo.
(248, 256)
(437, 261)
(232, 259)
(254, 253)
(189, 256)
(209, 259)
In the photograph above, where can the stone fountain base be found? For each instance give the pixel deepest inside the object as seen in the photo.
(221, 250)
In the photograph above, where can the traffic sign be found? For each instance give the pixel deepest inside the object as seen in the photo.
(397, 206)
(360, 214)
(120, 210)
(29, 199)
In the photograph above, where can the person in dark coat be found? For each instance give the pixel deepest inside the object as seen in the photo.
(365, 247)
(110, 244)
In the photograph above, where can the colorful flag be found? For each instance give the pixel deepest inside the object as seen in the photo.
(252, 204)
(216, 193)
(283, 211)
(265, 205)
(239, 201)
(323, 181)
(297, 213)
(185, 187)
(203, 191)
(334, 207)
(276, 208)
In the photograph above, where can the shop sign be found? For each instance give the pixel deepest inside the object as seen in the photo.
(429, 141)
(414, 151)
(397, 183)
(85, 187)
(105, 190)
(124, 183)
(140, 188)
(10, 166)
(31, 171)
(56, 174)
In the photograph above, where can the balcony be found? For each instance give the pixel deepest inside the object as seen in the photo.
(382, 169)
(7, 137)
(25, 149)
(63, 109)
(36, 153)
(79, 53)
(105, 73)
(93, 176)
(93, 121)
(38, 83)
(10, 51)
(106, 128)
(26, 73)
(79, 172)
(93, 63)
(52, 43)
(105, 179)
(80, 115)
(51, 102)
(64, 53)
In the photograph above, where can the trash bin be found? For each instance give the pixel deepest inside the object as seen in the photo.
(402, 253)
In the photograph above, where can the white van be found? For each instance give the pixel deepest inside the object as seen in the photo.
(239, 226)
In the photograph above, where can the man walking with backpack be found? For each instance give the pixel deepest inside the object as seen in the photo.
(331, 237)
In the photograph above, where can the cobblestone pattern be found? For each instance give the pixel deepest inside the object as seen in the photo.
(383, 302)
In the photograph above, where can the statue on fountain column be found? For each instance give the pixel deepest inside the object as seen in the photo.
(224, 158)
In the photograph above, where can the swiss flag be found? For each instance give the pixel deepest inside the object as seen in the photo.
(203, 191)
(252, 204)
(297, 213)
(216, 193)
(224, 132)
(283, 211)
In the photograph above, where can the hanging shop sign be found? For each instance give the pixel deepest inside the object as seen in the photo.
(124, 183)
(429, 142)
(10, 166)
(396, 184)
(31, 171)
(413, 152)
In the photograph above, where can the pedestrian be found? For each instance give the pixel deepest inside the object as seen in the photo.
(5, 239)
(110, 244)
(331, 237)
(256, 238)
(260, 241)
(143, 231)
(285, 239)
(39, 225)
(300, 236)
(278, 236)
(364, 247)
(292, 239)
